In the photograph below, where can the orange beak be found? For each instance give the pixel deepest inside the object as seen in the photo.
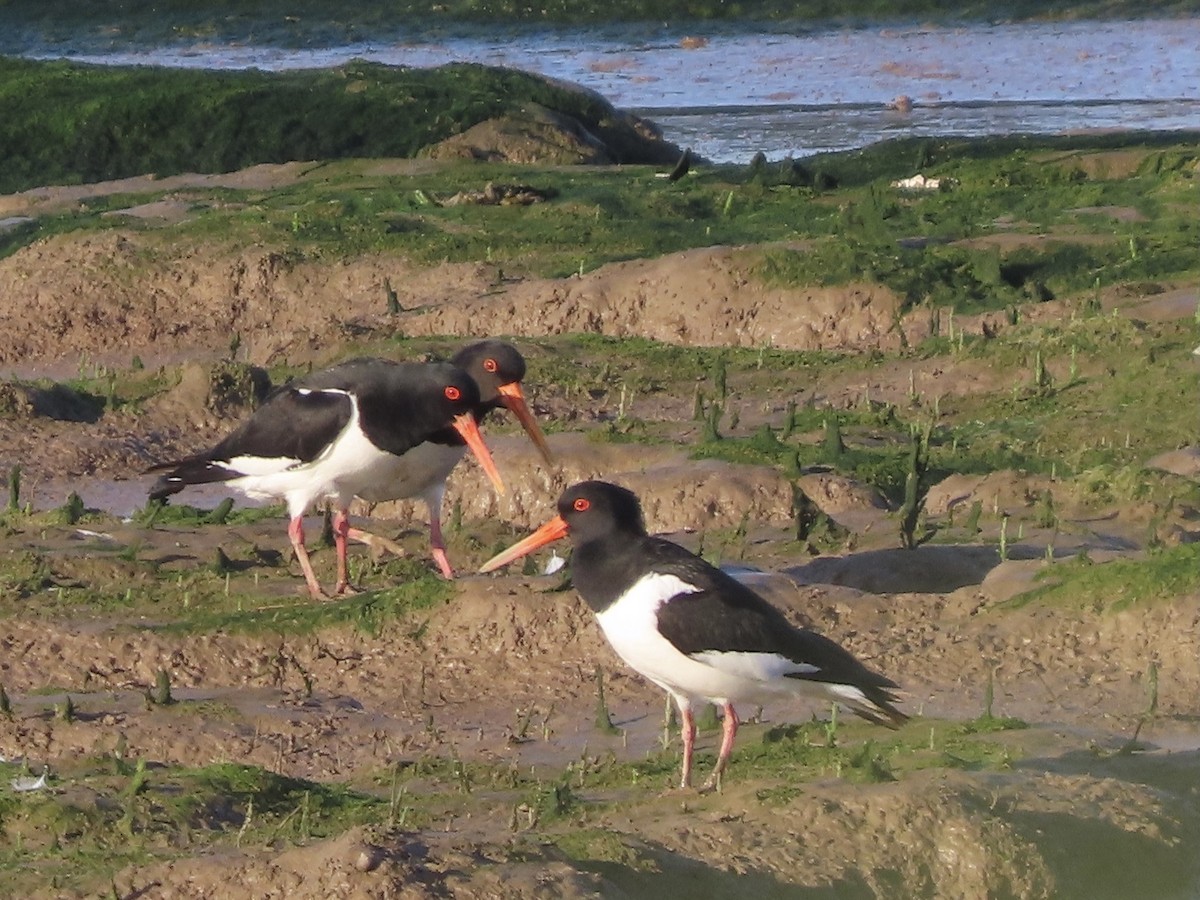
(469, 429)
(554, 530)
(514, 400)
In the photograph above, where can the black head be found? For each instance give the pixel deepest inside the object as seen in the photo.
(446, 392)
(596, 508)
(492, 364)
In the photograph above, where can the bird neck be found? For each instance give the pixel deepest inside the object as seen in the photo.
(604, 568)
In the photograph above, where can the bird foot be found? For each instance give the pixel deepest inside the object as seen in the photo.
(712, 784)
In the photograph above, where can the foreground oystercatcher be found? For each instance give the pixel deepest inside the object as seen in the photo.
(497, 368)
(691, 629)
(307, 443)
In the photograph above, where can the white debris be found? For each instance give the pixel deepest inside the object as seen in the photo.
(555, 563)
(99, 535)
(920, 183)
(26, 783)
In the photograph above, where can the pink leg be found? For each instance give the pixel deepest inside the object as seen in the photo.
(728, 733)
(438, 544)
(688, 731)
(296, 536)
(341, 531)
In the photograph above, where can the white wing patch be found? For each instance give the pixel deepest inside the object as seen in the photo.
(258, 465)
(755, 666)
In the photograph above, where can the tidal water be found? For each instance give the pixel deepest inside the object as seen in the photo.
(733, 93)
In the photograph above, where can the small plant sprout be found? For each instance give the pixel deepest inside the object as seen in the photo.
(831, 727)
(14, 489)
(712, 423)
(220, 514)
(707, 720)
(668, 724)
(914, 488)
(72, 511)
(1004, 537)
(972, 522)
(120, 752)
(393, 299)
(246, 820)
(6, 709)
(137, 781)
(1041, 375)
(520, 733)
(1151, 710)
(396, 794)
(160, 694)
(626, 401)
(789, 421)
(461, 775)
(835, 447)
(604, 723)
(719, 377)
(65, 711)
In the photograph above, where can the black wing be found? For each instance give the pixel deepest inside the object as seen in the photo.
(292, 424)
(726, 616)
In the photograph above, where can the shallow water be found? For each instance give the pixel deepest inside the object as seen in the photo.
(740, 92)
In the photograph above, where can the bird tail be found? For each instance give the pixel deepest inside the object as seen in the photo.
(179, 474)
(873, 703)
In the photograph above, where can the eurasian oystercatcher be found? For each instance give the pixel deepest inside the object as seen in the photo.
(308, 442)
(690, 628)
(497, 368)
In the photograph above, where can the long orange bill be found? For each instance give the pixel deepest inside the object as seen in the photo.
(554, 530)
(469, 429)
(514, 400)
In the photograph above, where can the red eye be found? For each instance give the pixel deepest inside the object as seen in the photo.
(452, 393)
(582, 504)
(490, 365)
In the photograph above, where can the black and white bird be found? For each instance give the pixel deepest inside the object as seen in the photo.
(497, 368)
(308, 443)
(690, 628)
